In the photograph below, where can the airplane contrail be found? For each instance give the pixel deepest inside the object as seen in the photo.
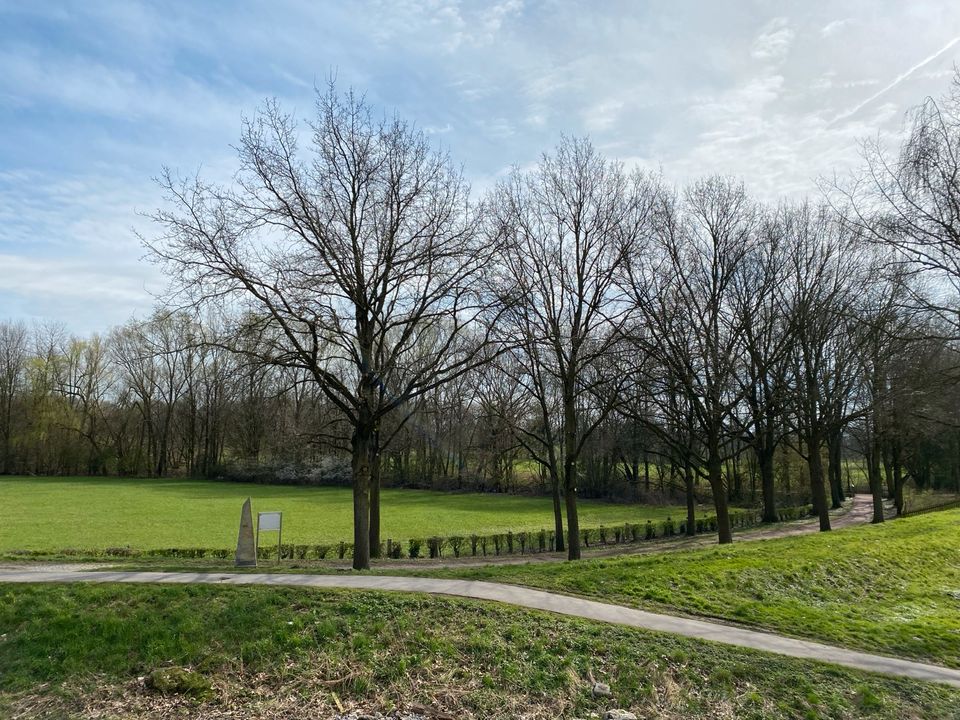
(896, 81)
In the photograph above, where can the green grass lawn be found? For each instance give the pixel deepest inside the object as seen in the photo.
(81, 650)
(892, 588)
(52, 514)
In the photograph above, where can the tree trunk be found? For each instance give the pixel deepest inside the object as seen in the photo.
(765, 463)
(888, 469)
(897, 476)
(834, 470)
(876, 482)
(720, 502)
(815, 465)
(646, 472)
(573, 521)
(375, 494)
(360, 445)
(691, 499)
(560, 545)
(570, 471)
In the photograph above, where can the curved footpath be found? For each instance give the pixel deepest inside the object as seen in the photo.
(528, 598)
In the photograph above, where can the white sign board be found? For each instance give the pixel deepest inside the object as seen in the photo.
(268, 521)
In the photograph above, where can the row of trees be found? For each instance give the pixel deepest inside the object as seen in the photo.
(579, 316)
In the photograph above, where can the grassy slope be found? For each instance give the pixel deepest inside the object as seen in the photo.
(95, 513)
(274, 652)
(892, 588)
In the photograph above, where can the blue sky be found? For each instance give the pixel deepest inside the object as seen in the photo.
(97, 96)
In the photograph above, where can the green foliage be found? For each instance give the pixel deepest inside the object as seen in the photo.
(180, 681)
(414, 548)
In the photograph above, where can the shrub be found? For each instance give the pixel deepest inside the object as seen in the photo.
(329, 470)
(585, 534)
(322, 551)
(456, 542)
(342, 550)
(650, 533)
(414, 548)
(180, 681)
(435, 545)
(474, 540)
(668, 528)
(603, 535)
(523, 538)
(542, 540)
(510, 542)
(496, 544)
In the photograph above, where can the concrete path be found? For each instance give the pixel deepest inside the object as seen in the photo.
(528, 598)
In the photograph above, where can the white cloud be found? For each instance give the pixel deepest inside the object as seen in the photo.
(835, 26)
(603, 116)
(773, 42)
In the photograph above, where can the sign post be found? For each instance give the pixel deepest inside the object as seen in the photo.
(271, 521)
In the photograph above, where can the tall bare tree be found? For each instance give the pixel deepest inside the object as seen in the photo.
(684, 291)
(818, 294)
(766, 343)
(357, 260)
(568, 226)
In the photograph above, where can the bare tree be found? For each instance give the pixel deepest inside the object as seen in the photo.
(359, 263)
(13, 361)
(568, 226)
(766, 342)
(911, 201)
(819, 292)
(684, 291)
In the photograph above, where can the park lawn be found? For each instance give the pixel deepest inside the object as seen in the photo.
(892, 588)
(281, 652)
(53, 514)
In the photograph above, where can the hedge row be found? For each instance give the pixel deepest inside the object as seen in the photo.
(509, 543)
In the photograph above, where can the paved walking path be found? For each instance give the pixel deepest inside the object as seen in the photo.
(524, 597)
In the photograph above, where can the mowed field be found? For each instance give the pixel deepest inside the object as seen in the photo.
(51, 514)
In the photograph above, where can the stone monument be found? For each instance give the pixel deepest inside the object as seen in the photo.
(246, 547)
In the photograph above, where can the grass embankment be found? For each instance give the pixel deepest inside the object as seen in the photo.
(892, 588)
(276, 652)
(53, 514)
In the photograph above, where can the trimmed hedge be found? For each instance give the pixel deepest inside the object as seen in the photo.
(509, 543)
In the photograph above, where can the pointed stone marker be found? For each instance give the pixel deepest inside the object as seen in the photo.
(246, 547)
